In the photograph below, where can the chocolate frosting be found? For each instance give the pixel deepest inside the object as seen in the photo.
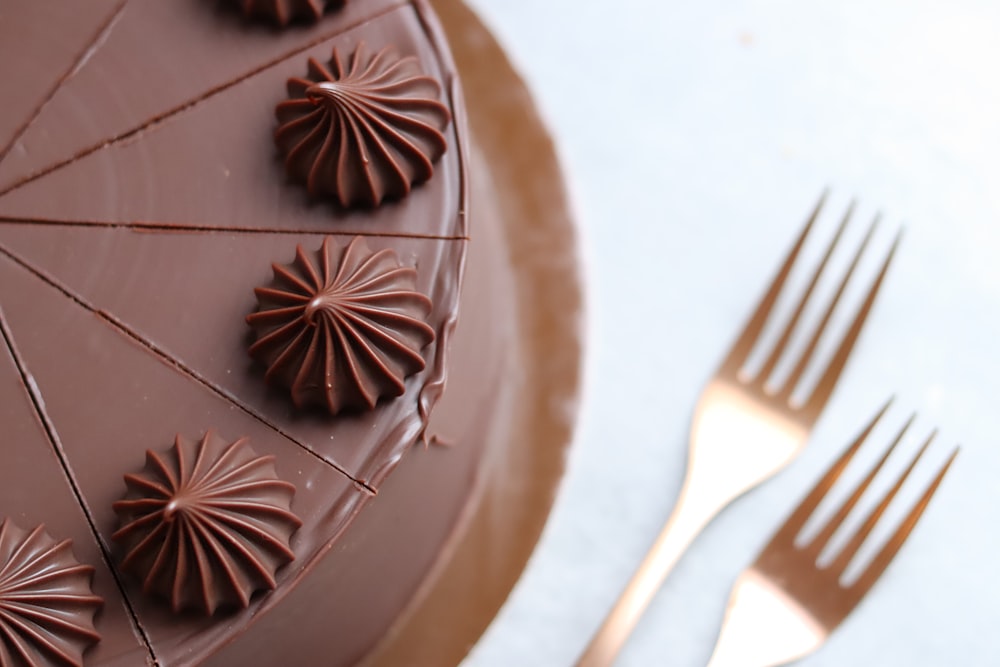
(341, 327)
(206, 525)
(364, 130)
(284, 11)
(89, 335)
(46, 604)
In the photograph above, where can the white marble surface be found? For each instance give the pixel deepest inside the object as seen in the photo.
(696, 137)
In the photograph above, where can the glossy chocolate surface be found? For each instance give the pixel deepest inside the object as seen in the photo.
(35, 65)
(133, 228)
(210, 161)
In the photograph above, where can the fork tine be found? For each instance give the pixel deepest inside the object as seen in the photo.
(844, 558)
(779, 347)
(744, 344)
(787, 533)
(888, 552)
(800, 366)
(823, 537)
(824, 386)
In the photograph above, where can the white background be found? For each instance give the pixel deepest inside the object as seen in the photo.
(696, 138)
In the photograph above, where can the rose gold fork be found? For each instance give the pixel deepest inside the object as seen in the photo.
(785, 605)
(743, 431)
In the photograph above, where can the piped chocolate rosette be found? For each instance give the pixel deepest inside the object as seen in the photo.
(341, 327)
(362, 129)
(206, 524)
(283, 12)
(46, 605)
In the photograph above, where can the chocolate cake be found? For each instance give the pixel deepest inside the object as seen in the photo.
(232, 245)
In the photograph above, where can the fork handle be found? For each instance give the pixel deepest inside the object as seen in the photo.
(689, 517)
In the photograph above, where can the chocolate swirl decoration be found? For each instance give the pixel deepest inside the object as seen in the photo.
(362, 131)
(206, 524)
(46, 605)
(341, 327)
(283, 12)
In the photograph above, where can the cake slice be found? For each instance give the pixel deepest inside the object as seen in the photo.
(214, 165)
(187, 295)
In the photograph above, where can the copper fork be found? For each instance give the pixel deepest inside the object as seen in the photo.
(743, 431)
(786, 604)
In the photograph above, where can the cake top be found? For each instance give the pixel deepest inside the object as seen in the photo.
(348, 340)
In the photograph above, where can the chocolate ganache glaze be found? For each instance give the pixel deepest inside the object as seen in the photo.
(133, 231)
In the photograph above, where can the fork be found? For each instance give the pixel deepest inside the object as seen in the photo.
(786, 604)
(744, 431)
